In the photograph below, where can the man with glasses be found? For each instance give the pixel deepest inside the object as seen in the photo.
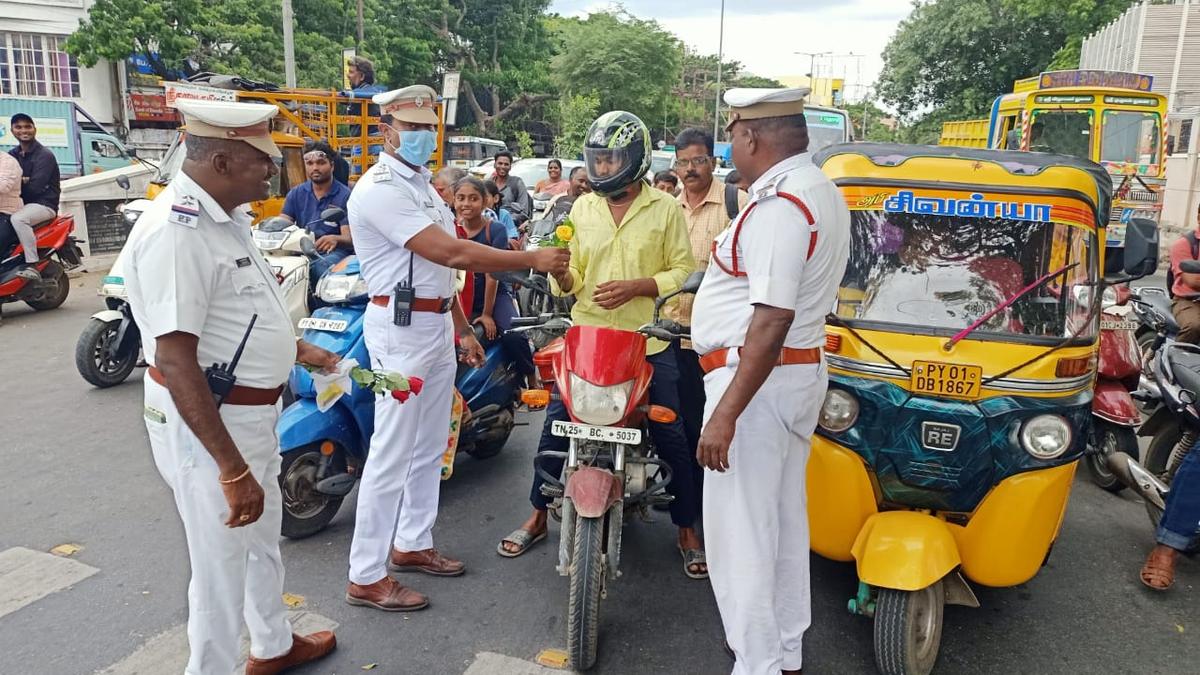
(708, 206)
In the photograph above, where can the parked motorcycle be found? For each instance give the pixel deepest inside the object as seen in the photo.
(1115, 414)
(610, 469)
(289, 248)
(324, 453)
(58, 252)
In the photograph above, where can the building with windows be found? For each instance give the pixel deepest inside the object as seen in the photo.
(34, 63)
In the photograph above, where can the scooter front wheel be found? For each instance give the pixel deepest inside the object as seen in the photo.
(98, 359)
(908, 629)
(305, 510)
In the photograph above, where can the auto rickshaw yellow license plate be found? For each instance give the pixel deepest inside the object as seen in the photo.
(949, 380)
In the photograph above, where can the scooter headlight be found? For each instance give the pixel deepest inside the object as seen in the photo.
(1046, 436)
(839, 412)
(598, 405)
(269, 241)
(339, 288)
(113, 286)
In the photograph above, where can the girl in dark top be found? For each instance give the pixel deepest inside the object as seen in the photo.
(492, 304)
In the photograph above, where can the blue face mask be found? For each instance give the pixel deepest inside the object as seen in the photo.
(416, 147)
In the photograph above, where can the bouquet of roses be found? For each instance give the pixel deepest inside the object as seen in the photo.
(563, 234)
(332, 386)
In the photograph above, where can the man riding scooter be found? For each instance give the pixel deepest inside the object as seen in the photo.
(630, 246)
(39, 190)
(305, 202)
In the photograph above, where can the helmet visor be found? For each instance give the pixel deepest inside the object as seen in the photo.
(604, 164)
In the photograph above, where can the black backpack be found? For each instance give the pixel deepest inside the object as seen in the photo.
(1195, 244)
(731, 201)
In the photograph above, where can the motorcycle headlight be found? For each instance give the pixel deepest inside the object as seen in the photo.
(339, 288)
(1046, 436)
(839, 412)
(269, 241)
(598, 405)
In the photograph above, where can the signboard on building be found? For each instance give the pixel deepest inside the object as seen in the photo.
(51, 132)
(183, 90)
(151, 107)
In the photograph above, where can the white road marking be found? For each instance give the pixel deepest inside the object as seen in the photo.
(491, 663)
(27, 576)
(168, 651)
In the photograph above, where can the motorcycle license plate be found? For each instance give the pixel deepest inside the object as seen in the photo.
(948, 380)
(590, 433)
(331, 325)
(1106, 324)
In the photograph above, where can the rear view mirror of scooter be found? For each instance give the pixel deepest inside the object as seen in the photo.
(123, 182)
(333, 215)
(690, 285)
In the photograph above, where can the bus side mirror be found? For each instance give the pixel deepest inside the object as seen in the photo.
(1141, 247)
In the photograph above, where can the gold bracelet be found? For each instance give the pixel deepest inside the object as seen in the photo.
(231, 481)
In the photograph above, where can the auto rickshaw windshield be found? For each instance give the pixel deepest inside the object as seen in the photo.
(940, 274)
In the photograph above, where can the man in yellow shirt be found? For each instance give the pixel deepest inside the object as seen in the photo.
(630, 246)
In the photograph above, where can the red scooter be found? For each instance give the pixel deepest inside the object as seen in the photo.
(1115, 415)
(58, 252)
(610, 469)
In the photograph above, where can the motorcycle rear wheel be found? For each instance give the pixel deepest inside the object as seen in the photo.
(908, 629)
(583, 605)
(94, 342)
(305, 511)
(1107, 438)
(55, 288)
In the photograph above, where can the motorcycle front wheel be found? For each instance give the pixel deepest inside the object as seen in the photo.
(96, 359)
(1107, 438)
(305, 510)
(583, 605)
(908, 629)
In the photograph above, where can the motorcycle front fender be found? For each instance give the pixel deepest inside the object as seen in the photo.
(592, 491)
(904, 550)
(107, 315)
(1113, 403)
(302, 424)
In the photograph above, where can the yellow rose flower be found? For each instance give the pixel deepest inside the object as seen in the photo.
(564, 232)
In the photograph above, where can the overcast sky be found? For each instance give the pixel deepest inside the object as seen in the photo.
(764, 34)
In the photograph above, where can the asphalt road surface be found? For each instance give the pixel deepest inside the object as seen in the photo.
(78, 471)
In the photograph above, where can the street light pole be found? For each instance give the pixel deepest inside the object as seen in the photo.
(289, 46)
(720, 58)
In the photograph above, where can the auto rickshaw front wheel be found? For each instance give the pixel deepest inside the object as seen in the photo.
(908, 629)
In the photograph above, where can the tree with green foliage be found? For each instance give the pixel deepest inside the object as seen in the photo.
(956, 56)
(575, 114)
(876, 131)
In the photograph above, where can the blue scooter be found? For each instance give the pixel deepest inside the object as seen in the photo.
(324, 453)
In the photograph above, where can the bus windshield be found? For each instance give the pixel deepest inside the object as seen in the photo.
(1130, 137)
(825, 128)
(1066, 132)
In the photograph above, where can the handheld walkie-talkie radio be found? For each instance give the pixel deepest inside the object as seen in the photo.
(403, 297)
(220, 376)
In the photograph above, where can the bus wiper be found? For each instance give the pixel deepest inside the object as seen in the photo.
(1006, 304)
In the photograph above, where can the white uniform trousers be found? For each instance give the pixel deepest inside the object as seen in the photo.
(237, 573)
(756, 519)
(401, 482)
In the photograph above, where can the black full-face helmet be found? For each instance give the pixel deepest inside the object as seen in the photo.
(617, 152)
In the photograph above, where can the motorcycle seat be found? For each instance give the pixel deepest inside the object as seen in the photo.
(1185, 368)
(43, 223)
(1162, 304)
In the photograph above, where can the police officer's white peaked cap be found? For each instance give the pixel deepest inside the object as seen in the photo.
(757, 104)
(411, 104)
(247, 122)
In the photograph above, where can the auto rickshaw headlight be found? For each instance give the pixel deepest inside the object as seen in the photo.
(839, 411)
(1046, 436)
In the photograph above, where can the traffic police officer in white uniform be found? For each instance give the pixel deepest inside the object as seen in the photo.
(405, 240)
(196, 282)
(758, 322)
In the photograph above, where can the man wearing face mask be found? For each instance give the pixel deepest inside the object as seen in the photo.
(406, 242)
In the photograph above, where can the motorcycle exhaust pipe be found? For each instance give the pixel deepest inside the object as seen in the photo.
(1136, 477)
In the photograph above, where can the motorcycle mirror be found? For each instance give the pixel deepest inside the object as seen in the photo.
(274, 224)
(123, 182)
(693, 283)
(1186, 396)
(333, 215)
(309, 248)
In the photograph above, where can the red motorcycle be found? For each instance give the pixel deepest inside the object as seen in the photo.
(57, 252)
(610, 468)
(1115, 414)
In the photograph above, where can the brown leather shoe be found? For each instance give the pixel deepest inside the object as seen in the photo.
(428, 561)
(305, 648)
(387, 595)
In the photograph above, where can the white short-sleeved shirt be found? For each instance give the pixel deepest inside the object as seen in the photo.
(191, 267)
(772, 251)
(390, 204)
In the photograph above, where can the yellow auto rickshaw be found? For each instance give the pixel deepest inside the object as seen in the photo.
(961, 355)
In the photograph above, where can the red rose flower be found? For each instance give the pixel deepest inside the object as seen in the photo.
(400, 396)
(415, 384)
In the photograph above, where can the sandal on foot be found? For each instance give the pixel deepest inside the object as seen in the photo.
(694, 556)
(524, 539)
(1158, 574)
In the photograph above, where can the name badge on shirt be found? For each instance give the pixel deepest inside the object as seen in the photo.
(242, 262)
